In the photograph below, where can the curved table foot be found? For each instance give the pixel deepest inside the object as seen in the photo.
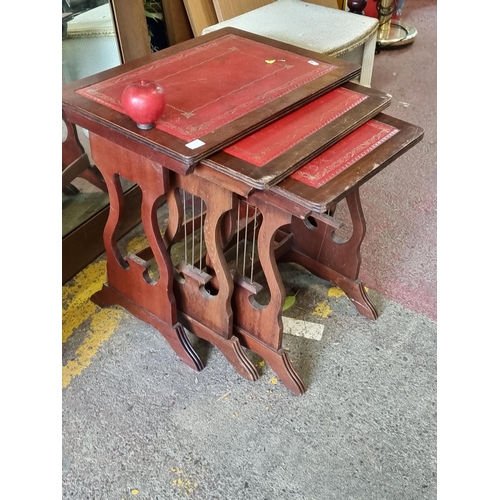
(175, 335)
(354, 289)
(177, 338)
(230, 348)
(279, 361)
(356, 293)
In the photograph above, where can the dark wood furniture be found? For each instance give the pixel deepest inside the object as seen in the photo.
(294, 221)
(202, 116)
(224, 190)
(76, 163)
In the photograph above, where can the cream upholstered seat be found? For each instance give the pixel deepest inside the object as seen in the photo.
(332, 32)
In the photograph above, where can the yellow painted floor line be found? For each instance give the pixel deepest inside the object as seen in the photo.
(103, 324)
(78, 308)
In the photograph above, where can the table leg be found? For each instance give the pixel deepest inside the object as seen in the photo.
(315, 248)
(204, 289)
(259, 327)
(128, 282)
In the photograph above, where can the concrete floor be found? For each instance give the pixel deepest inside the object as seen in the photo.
(137, 423)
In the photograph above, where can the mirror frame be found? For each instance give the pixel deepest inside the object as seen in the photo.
(84, 244)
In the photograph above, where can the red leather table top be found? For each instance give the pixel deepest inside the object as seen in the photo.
(210, 85)
(265, 157)
(349, 163)
(219, 88)
(272, 141)
(345, 153)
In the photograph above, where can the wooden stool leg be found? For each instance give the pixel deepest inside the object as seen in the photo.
(315, 248)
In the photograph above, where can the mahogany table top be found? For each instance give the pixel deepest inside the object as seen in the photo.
(220, 87)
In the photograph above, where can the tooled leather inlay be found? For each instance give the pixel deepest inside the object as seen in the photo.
(274, 139)
(215, 83)
(345, 153)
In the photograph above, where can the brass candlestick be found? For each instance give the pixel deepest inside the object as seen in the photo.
(392, 33)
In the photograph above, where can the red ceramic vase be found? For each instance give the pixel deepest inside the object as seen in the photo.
(144, 102)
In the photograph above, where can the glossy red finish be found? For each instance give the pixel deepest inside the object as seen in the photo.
(144, 102)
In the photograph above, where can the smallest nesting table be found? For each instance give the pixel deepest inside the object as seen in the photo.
(294, 222)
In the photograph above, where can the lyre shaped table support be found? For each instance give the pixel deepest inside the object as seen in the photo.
(260, 328)
(177, 292)
(128, 282)
(316, 248)
(206, 311)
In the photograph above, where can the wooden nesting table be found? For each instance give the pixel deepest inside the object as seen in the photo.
(258, 142)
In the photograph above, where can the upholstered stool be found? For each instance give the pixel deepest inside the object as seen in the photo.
(333, 32)
(90, 45)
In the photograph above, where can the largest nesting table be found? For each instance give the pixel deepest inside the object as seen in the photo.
(243, 114)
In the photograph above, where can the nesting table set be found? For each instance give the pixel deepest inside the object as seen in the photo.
(258, 143)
